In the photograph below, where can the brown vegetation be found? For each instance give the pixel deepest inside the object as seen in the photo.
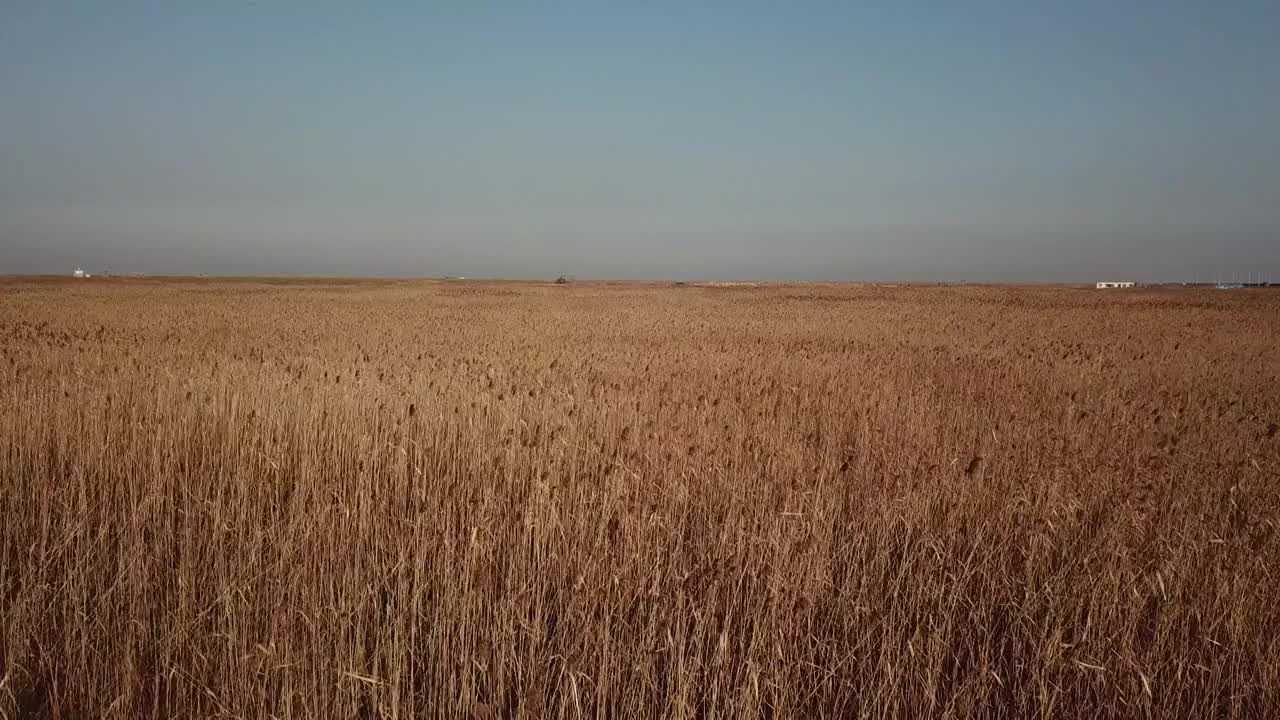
(519, 500)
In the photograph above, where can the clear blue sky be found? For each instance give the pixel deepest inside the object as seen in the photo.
(966, 141)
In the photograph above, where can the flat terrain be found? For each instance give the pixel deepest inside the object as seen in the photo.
(406, 499)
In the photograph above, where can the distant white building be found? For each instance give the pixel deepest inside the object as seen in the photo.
(1107, 285)
(78, 273)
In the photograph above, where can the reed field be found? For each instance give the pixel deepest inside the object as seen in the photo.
(402, 499)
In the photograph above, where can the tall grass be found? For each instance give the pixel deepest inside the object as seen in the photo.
(416, 500)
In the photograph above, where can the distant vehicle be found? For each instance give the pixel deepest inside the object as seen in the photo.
(79, 273)
(564, 279)
(1110, 284)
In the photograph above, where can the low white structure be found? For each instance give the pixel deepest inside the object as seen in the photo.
(78, 273)
(1107, 285)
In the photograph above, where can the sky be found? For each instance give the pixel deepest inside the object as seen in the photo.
(975, 141)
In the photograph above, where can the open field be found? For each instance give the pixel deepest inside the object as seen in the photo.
(415, 499)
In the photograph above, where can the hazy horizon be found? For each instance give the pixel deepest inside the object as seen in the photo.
(989, 142)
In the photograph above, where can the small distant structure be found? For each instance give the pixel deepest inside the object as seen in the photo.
(1108, 285)
(79, 273)
(564, 279)
(455, 277)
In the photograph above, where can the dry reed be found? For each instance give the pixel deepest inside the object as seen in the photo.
(397, 499)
